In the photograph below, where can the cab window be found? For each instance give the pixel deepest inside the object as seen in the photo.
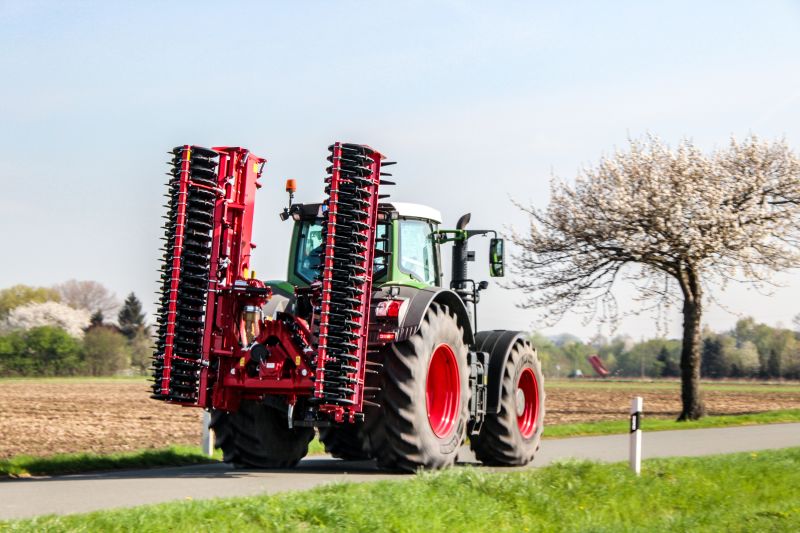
(310, 249)
(417, 252)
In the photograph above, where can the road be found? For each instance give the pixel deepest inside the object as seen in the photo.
(88, 492)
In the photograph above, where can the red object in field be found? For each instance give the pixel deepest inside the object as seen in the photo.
(598, 365)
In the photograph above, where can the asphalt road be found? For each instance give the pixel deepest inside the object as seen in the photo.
(88, 492)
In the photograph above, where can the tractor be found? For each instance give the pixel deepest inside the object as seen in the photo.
(362, 342)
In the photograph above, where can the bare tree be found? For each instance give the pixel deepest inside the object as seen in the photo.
(665, 219)
(92, 296)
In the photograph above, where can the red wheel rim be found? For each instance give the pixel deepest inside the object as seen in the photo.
(443, 391)
(527, 400)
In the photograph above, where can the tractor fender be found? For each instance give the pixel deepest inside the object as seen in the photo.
(420, 299)
(498, 344)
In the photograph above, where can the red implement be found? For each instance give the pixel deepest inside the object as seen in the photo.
(598, 365)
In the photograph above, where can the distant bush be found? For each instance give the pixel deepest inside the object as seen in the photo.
(105, 352)
(40, 351)
(749, 350)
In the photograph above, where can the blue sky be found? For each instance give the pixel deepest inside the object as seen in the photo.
(478, 102)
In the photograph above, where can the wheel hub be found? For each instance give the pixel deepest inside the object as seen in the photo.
(527, 403)
(520, 401)
(443, 391)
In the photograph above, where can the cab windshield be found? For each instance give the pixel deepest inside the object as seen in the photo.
(310, 250)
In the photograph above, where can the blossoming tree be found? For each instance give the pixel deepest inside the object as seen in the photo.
(33, 315)
(675, 222)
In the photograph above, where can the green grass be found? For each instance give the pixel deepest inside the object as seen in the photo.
(74, 463)
(71, 463)
(658, 424)
(662, 385)
(741, 492)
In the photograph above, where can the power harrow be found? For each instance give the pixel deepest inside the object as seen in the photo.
(214, 349)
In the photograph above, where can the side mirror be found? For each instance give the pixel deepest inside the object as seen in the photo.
(496, 263)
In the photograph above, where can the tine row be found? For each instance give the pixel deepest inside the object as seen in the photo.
(184, 282)
(345, 272)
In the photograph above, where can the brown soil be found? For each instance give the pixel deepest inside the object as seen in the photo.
(42, 418)
(55, 417)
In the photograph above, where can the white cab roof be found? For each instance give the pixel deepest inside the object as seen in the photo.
(416, 211)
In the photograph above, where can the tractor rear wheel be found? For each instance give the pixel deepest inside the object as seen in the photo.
(512, 435)
(346, 441)
(258, 436)
(425, 396)
(355, 442)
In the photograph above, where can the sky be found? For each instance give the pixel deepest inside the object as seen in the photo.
(481, 103)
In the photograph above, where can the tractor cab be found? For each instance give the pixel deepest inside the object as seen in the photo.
(407, 260)
(407, 250)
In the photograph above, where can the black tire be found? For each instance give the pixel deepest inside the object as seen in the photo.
(258, 436)
(500, 441)
(358, 441)
(404, 438)
(346, 441)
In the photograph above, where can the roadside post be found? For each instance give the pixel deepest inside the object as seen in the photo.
(636, 435)
(207, 441)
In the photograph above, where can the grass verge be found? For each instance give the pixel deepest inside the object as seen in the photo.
(740, 492)
(72, 463)
(75, 463)
(659, 424)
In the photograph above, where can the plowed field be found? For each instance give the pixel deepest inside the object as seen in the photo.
(52, 416)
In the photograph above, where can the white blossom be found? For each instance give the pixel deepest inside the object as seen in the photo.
(657, 215)
(73, 321)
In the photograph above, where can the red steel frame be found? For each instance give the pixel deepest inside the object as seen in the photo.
(232, 286)
(237, 179)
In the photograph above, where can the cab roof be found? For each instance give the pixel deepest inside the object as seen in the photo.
(415, 211)
(403, 210)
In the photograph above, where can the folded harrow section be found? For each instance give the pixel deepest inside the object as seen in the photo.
(346, 277)
(178, 359)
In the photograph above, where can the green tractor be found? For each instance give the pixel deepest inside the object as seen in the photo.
(436, 379)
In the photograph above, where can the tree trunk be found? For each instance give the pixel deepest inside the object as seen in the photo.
(693, 407)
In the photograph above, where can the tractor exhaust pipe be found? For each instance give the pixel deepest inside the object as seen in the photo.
(460, 253)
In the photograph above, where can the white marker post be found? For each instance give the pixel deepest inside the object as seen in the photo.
(207, 440)
(636, 435)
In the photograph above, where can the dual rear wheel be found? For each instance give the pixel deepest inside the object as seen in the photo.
(424, 399)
